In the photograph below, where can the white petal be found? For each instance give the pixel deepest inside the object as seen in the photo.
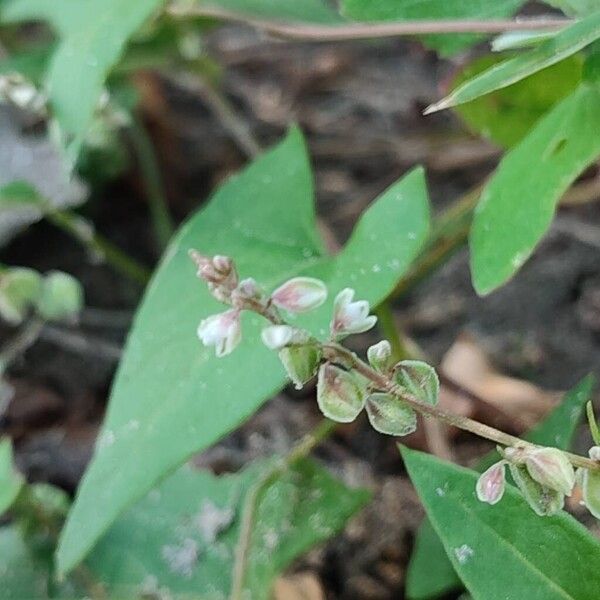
(342, 299)
(362, 326)
(277, 336)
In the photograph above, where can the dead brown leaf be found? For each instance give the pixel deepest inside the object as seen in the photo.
(472, 387)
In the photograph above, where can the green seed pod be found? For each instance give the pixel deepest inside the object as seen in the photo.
(390, 415)
(340, 394)
(20, 289)
(61, 298)
(591, 491)
(551, 468)
(418, 379)
(300, 362)
(543, 500)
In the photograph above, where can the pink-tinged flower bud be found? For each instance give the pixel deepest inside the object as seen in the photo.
(218, 271)
(339, 394)
(222, 264)
(551, 468)
(223, 331)
(276, 337)
(199, 259)
(380, 356)
(491, 483)
(248, 288)
(300, 294)
(350, 317)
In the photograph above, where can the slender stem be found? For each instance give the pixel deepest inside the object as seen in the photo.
(355, 31)
(300, 450)
(159, 212)
(25, 338)
(335, 352)
(80, 229)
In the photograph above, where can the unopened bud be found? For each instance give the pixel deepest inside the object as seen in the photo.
(20, 289)
(300, 294)
(222, 264)
(387, 414)
(300, 362)
(339, 394)
(491, 483)
(551, 468)
(380, 356)
(276, 337)
(61, 297)
(248, 288)
(218, 271)
(543, 500)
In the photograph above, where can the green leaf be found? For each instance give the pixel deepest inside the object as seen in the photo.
(183, 535)
(30, 63)
(181, 538)
(93, 35)
(504, 551)
(388, 415)
(303, 11)
(564, 44)
(23, 575)
(419, 379)
(430, 572)
(575, 8)
(171, 397)
(518, 204)
(505, 116)
(10, 480)
(408, 10)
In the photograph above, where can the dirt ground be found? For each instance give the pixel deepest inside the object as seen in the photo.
(359, 105)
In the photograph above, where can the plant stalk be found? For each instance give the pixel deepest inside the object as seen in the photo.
(337, 353)
(312, 439)
(359, 31)
(77, 227)
(159, 212)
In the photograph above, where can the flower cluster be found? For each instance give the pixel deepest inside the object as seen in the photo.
(224, 330)
(342, 393)
(388, 391)
(544, 476)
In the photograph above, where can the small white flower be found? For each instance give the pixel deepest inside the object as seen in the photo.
(277, 336)
(350, 317)
(300, 294)
(222, 331)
